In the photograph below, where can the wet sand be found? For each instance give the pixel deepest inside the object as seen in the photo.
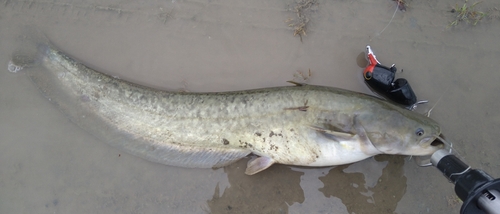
(49, 165)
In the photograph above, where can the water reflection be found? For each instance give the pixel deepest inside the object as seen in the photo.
(270, 191)
(375, 185)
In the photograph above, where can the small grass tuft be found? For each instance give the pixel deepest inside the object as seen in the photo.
(467, 13)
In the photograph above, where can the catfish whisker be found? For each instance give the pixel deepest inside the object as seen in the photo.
(448, 145)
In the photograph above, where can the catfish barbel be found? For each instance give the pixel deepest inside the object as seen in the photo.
(302, 125)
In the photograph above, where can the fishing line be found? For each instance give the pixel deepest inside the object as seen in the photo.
(389, 21)
(448, 144)
(428, 114)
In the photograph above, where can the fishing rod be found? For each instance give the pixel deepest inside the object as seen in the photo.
(479, 191)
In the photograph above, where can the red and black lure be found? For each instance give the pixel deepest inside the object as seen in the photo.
(380, 79)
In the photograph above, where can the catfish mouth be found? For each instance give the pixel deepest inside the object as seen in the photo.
(440, 142)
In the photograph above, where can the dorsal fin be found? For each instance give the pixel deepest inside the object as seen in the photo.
(296, 83)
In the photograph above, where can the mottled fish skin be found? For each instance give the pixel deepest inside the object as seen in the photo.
(297, 125)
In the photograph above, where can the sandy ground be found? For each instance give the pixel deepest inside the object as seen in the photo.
(49, 165)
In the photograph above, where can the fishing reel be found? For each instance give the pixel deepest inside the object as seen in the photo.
(479, 191)
(380, 79)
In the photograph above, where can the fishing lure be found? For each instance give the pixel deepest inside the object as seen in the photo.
(380, 79)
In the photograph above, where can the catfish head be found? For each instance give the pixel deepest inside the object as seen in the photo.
(393, 130)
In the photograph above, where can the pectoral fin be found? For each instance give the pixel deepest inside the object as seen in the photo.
(330, 133)
(258, 164)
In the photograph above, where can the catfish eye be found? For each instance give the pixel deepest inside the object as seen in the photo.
(419, 132)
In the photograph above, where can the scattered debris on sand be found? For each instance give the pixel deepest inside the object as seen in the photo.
(494, 13)
(402, 4)
(302, 9)
(302, 77)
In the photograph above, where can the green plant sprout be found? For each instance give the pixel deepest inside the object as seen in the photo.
(467, 13)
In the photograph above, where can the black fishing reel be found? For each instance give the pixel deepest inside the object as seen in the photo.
(380, 79)
(479, 191)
